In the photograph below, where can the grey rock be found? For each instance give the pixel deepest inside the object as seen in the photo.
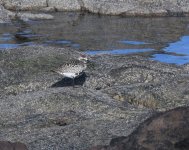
(4, 16)
(65, 5)
(111, 7)
(137, 8)
(24, 4)
(27, 16)
(48, 9)
(167, 130)
(41, 109)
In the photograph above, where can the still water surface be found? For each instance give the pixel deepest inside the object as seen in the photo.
(163, 39)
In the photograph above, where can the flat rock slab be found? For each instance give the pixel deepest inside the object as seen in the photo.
(117, 93)
(167, 130)
(32, 16)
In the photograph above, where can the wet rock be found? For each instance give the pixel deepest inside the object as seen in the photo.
(48, 9)
(4, 16)
(27, 16)
(167, 130)
(5, 145)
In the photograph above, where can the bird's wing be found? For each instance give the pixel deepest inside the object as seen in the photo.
(71, 68)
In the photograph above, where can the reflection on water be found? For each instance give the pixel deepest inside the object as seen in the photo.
(159, 37)
(7, 46)
(62, 43)
(59, 42)
(117, 51)
(179, 60)
(5, 37)
(180, 47)
(133, 42)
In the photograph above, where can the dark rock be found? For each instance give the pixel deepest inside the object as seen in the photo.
(5, 145)
(183, 144)
(167, 130)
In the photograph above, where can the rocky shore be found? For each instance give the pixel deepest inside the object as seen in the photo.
(110, 7)
(120, 102)
(117, 93)
(167, 130)
(6, 16)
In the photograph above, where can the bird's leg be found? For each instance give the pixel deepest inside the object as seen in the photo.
(73, 82)
(86, 74)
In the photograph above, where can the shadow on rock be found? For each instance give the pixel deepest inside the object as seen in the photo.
(6, 145)
(167, 130)
(69, 82)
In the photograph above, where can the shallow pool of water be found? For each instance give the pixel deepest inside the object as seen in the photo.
(163, 39)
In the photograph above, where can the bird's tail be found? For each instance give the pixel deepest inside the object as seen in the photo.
(53, 71)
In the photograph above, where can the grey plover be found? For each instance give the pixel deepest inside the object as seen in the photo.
(74, 68)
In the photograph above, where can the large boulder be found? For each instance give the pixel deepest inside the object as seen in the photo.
(164, 131)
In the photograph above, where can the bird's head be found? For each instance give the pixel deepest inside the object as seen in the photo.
(83, 58)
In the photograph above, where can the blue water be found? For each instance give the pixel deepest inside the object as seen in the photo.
(180, 47)
(117, 51)
(133, 42)
(179, 60)
(10, 46)
(28, 34)
(7, 40)
(62, 43)
(157, 37)
(176, 52)
(5, 37)
(7, 46)
(58, 42)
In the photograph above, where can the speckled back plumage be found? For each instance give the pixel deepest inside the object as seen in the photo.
(74, 66)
